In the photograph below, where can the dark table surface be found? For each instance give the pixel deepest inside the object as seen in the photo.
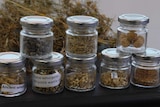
(131, 96)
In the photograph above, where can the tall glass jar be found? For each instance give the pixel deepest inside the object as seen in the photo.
(48, 74)
(132, 33)
(146, 68)
(115, 69)
(81, 38)
(12, 74)
(36, 37)
(80, 74)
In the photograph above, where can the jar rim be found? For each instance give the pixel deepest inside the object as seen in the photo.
(36, 22)
(56, 58)
(11, 59)
(133, 18)
(149, 54)
(81, 21)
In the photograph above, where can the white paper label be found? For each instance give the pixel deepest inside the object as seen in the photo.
(46, 80)
(12, 89)
(114, 75)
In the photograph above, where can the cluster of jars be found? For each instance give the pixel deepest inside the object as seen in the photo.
(47, 68)
(131, 61)
(36, 56)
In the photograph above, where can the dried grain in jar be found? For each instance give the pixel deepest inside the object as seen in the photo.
(36, 37)
(132, 33)
(115, 69)
(12, 74)
(80, 74)
(48, 74)
(81, 36)
(145, 68)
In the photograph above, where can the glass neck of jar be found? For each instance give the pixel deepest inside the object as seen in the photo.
(116, 64)
(81, 64)
(36, 31)
(133, 27)
(83, 30)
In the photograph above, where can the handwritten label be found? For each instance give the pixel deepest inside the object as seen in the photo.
(46, 80)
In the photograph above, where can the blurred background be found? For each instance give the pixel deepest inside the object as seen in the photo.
(114, 8)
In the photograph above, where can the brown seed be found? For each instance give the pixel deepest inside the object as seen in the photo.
(138, 42)
(124, 42)
(131, 36)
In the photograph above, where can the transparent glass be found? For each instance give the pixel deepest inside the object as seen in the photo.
(131, 38)
(47, 78)
(36, 44)
(114, 76)
(145, 73)
(81, 42)
(80, 76)
(12, 80)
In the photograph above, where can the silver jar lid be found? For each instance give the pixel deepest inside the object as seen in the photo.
(134, 19)
(36, 22)
(112, 56)
(55, 59)
(8, 59)
(151, 54)
(81, 21)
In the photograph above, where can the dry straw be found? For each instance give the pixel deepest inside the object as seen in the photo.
(12, 10)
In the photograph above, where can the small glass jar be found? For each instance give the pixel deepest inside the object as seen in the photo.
(132, 33)
(80, 74)
(145, 68)
(81, 38)
(115, 69)
(12, 74)
(48, 74)
(36, 37)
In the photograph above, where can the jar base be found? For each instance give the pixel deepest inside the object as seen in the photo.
(14, 95)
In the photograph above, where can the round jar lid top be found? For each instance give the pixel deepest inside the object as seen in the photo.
(10, 58)
(36, 21)
(135, 19)
(82, 21)
(55, 58)
(150, 54)
(113, 54)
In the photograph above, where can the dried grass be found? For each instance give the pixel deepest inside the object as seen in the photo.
(12, 10)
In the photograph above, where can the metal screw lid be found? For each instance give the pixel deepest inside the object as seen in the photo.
(112, 56)
(134, 19)
(36, 22)
(55, 59)
(151, 54)
(11, 59)
(81, 21)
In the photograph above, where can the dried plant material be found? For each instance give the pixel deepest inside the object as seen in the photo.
(80, 81)
(131, 39)
(82, 45)
(146, 77)
(139, 41)
(12, 10)
(114, 79)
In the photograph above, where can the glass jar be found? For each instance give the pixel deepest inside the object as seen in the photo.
(145, 68)
(48, 74)
(36, 37)
(115, 69)
(80, 75)
(132, 33)
(12, 74)
(81, 38)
